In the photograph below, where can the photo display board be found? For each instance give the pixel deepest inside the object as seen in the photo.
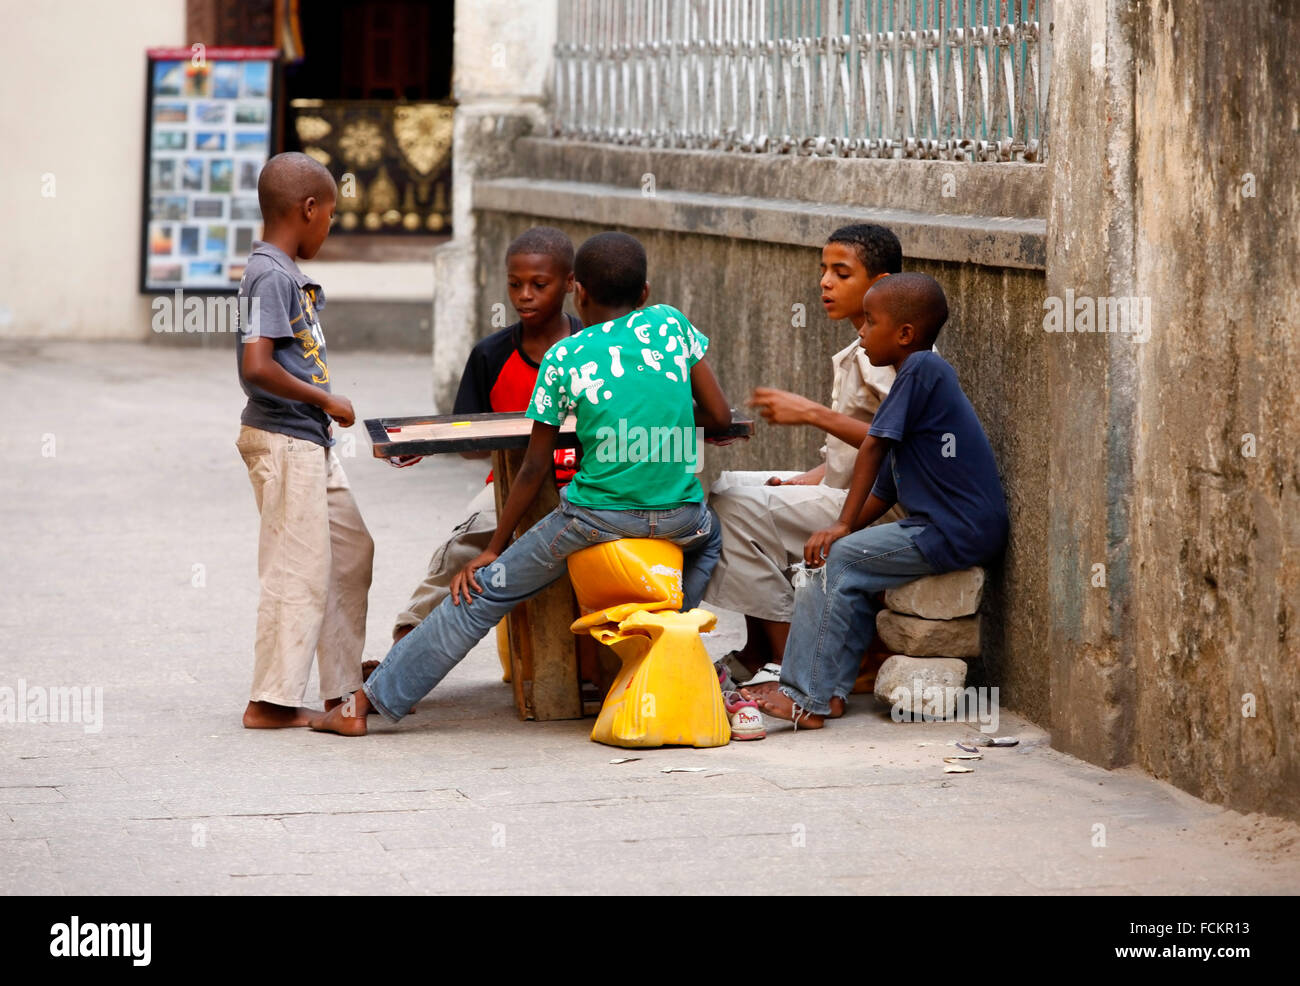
(210, 116)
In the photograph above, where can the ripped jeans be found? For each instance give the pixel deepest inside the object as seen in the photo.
(421, 659)
(835, 611)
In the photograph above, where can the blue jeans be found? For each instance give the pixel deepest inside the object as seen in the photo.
(423, 657)
(835, 613)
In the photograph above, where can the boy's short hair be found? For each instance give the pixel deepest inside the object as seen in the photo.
(877, 247)
(546, 241)
(289, 178)
(611, 267)
(916, 298)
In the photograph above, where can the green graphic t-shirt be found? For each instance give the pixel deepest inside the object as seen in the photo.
(628, 383)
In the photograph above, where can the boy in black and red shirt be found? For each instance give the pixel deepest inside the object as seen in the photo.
(500, 376)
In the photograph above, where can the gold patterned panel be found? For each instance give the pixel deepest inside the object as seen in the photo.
(392, 160)
(362, 143)
(311, 128)
(423, 135)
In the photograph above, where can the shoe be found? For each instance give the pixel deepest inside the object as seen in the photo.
(725, 681)
(746, 720)
(730, 670)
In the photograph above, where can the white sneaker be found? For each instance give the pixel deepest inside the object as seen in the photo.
(745, 718)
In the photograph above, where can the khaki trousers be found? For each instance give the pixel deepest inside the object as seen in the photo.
(468, 540)
(314, 562)
(763, 533)
(764, 529)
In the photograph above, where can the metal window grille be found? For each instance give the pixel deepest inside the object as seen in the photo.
(952, 79)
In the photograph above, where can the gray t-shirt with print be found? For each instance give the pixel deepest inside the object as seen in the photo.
(284, 306)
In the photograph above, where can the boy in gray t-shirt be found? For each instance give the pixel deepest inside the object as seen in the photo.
(314, 552)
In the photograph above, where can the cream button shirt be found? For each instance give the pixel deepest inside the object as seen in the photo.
(857, 392)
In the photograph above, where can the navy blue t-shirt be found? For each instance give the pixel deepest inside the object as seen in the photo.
(941, 466)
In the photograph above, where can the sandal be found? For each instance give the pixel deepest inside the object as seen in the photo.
(766, 674)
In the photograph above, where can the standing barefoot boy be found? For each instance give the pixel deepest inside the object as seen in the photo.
(926, 450)
(314, 553)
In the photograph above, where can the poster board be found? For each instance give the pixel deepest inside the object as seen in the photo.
(209, 127)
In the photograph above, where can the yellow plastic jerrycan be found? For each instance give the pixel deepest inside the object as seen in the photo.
(618, 578)
(667, 690)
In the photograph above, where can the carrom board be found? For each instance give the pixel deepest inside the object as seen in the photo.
(432, 435)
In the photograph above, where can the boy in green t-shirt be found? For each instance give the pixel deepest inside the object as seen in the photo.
(641, 393)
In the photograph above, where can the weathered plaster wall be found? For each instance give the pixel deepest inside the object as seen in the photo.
(1165, 118)
(1216, 585)
(73, 157)
(502, 60)
(1090, 389)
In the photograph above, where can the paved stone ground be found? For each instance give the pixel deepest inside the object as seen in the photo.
(173, 796)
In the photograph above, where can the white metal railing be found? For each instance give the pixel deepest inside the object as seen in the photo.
(954, 79)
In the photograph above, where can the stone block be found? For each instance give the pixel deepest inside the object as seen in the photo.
(916, 637)
(939, 597)
(921, 684)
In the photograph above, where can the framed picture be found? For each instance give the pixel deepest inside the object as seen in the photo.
(163, 175)
(200, 201)
(245, 209)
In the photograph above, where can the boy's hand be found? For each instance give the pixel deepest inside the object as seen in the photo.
(780, 407)
(464, 579)
(339, 408)
(819, 545)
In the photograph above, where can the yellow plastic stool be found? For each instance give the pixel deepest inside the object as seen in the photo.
(667, 692)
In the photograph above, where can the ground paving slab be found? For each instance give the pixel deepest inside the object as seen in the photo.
(130, 567)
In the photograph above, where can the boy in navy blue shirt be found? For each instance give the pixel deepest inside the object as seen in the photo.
(925, 450)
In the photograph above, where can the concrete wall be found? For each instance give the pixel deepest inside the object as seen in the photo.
(73, 78)
(1216, 530)
(1175, 180)
(502, 55)
(734, 241)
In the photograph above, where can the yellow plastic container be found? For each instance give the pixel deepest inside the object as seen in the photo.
(618, 578)
(666, 693)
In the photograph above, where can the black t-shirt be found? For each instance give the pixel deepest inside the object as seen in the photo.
(499, 377)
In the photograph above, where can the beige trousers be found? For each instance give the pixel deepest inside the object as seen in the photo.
(468, 540)
(764, 529)
(314, 561)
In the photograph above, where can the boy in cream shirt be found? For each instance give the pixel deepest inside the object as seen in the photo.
(766, 517)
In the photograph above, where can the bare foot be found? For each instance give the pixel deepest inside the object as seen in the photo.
(268, 715)
(754, 692)
(780, 706)
(769, 688)
(347, 718)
